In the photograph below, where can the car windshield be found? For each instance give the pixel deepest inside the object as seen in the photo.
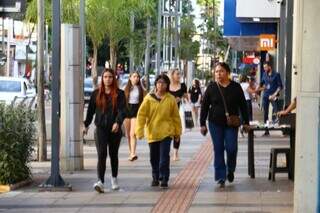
(10, 86)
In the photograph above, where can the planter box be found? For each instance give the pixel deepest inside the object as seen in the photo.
(10, 187)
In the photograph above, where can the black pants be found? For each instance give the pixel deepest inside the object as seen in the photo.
(160, 159)
(249, 107)
(107, 140)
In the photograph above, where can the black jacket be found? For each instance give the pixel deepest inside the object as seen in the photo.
(212, 103)
(109, 117)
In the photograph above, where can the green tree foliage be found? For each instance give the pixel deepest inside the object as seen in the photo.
(212, 31)
(188, 48)
(69, 13)
(96, 16)
(143, 11)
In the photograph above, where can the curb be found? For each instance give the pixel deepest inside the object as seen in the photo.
(11, 187)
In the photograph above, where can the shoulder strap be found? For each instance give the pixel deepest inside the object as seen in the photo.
(223, 99)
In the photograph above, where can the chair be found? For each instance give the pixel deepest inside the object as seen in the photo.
(273, 168)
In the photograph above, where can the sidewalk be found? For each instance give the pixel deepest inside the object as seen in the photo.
(136, 195)
(192, 187)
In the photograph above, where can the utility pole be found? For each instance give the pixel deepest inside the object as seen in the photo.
(131, 60)
(3, 45)
(83, 54)
(215, 29)
(147, 52)
(177, 39)
(42, 137)
(9, 35)
(55, 181)
(168, 36)
(159, 36)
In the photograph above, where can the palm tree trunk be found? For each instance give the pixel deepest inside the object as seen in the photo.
(113, 54)
(94, 72)
(42, 137)
(185, 69)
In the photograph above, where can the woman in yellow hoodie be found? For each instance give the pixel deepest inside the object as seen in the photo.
(158, 118)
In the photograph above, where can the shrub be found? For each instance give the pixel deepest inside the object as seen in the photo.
(17, 134)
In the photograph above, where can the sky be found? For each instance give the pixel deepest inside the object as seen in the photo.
(196, 12)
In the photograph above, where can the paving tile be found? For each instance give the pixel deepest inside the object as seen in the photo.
(243, 209)
(34, 210)
(244, 198)
(136, 195)
(97, 210)
(133, 209)
(206, 209)
(210, 197)
(277, 209)
(61, 210)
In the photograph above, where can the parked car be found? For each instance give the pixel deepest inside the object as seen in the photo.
(88, 88)
(11, 88)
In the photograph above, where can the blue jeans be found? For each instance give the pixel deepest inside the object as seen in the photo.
(160, 159)
(266, 102)
(224, 138)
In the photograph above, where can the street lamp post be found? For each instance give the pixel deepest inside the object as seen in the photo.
(55, 181)
(159, 36)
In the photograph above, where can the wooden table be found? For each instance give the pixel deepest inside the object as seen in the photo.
(251, 169)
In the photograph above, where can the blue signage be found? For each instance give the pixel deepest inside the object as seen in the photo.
(232, 27)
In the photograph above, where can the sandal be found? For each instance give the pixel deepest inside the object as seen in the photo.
(133, 158)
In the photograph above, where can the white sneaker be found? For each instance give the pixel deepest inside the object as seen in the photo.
(99, 187)
(114, 183)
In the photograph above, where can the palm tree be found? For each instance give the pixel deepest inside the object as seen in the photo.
(96, 18)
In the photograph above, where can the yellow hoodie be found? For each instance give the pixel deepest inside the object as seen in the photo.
(160, 118)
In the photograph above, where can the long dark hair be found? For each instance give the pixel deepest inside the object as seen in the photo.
(224, 65)
(129, 87)
(101, 100)
(197, 83)
(163, 77)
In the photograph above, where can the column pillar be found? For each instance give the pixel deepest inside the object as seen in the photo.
(71, 117)
(306, 63)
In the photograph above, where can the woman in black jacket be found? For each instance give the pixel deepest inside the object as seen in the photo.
(224, 136)
(109, 105)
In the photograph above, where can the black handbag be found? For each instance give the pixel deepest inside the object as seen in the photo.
(188, 119)
(232, 120)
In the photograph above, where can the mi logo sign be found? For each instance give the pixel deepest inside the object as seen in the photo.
(267, 42)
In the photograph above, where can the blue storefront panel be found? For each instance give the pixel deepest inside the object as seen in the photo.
(232, 27)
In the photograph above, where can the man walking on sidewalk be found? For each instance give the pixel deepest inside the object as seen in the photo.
(271, 84)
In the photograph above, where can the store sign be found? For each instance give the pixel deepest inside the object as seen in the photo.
(8, 7)
(267, 42)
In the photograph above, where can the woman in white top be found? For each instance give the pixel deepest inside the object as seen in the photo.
(134, 96)
(248, 93)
